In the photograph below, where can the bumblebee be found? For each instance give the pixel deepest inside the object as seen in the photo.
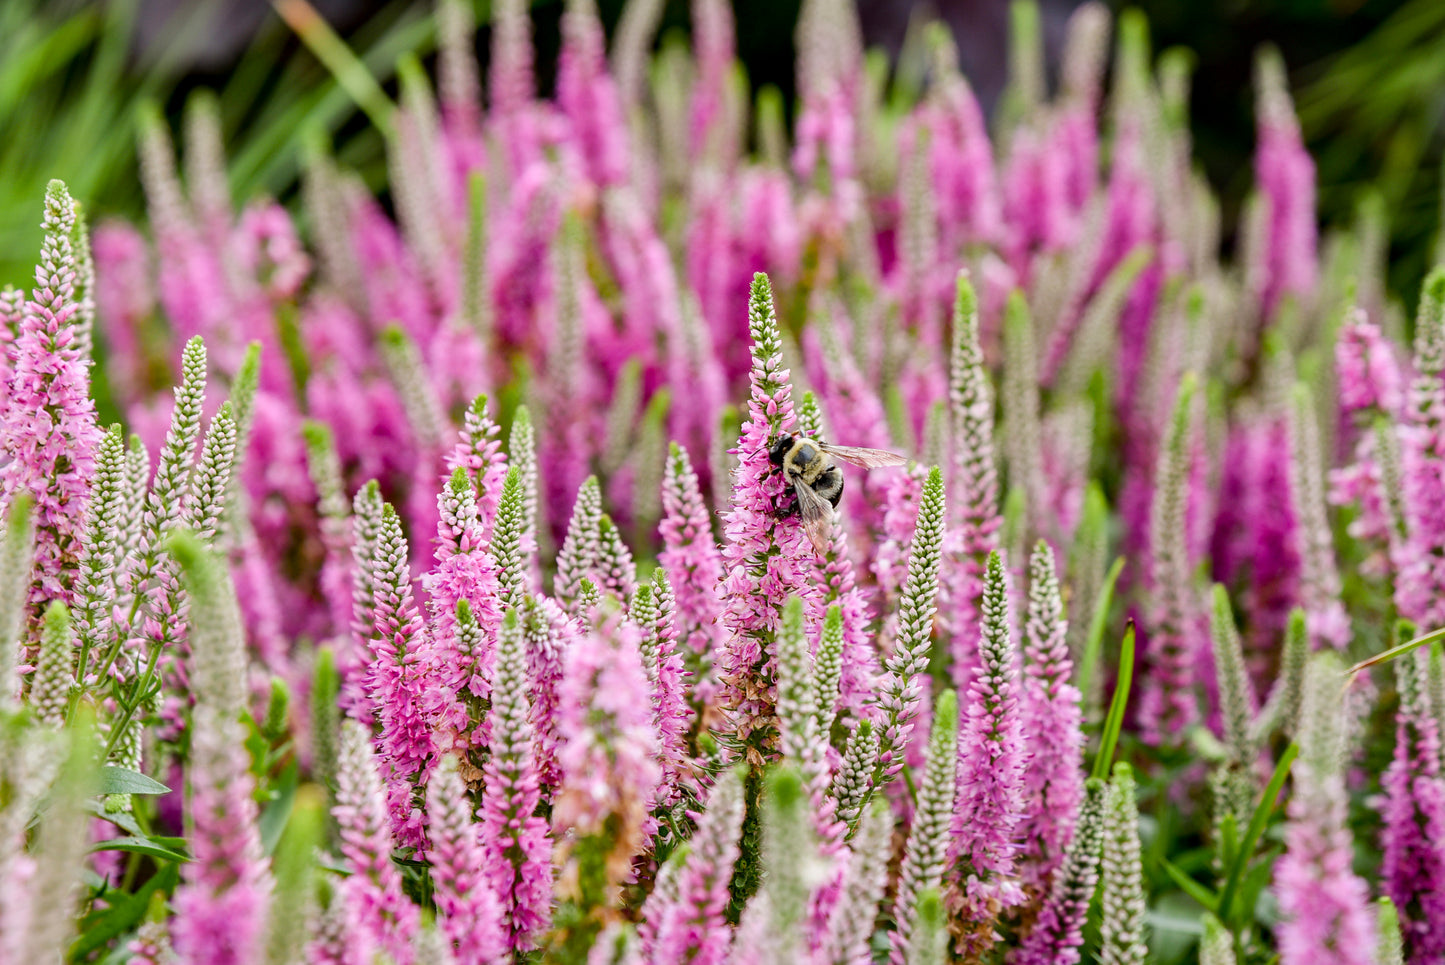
(808, 466)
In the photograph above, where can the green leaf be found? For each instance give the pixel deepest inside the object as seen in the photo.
(278, 812)
(1400, 651)
(121, 819)
(121, 780)
(1189, 886)
(122, 914)
(1114, 722)
(147, 846)
(1255, 829)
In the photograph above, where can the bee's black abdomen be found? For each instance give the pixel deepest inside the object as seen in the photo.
(829, 485)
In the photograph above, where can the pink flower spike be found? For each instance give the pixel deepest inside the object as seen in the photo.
(516, 847)
(221, 907)
(50, 434)
(464, 896)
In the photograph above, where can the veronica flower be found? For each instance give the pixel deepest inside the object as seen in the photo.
(902, 688)
(1286, 176)
(926, 853)
(1058, 934)
(401, 691)
(1168, 704)
(975, 486)
(766, 558)
(16, 555)
(1413, 837)
(50, 435)
(1051, 716)
(515, 843)
(381, 911)
(464, 896)
(221, 907)
(324, 468)
(654, 611)
(690, 926)
(1327, 918)
(582, 547)
(690, 555)
(991, 761)
(1121, 934)
(609, 760)
(1420, 583)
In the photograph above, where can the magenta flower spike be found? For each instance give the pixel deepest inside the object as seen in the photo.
(609, 756)
(1413, 836)
(690, 555)
(515, 844)
(588, 97)
(713, 33)
(221, 907)
(471, 918)
(1420, 580)
(1058, 933)
(766, 558)
(1168, 703)
(1286, 177)
(1319, 583)
(50, 434)
(461, 657)
(1326, 911)
(973, 532)
(373, 893)
(479, 451)
(1054, 780)
(690, 926)
(403, 694)
(991, 759)
(654, 612)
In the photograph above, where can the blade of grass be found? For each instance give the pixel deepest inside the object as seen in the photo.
(1256, 828)
(1114, 722)
(1399, 651)
(1188, 885)
(348, 69)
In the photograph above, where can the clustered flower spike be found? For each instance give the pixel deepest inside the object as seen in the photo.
(925, 856)
(1058, 934)
(690, 926)
(991, 761)
(1327, 917)
(1122, 935)
(1052, 720)
(465, 898)
(1413, 836)
(764, 555)
(516, 846)
(50, 434)
(974, 484)
(1319, 578)
(400, 649)
(1168, 703)
(916, 609)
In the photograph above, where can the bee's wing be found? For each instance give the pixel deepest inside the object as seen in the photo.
(867, 458)
(817, 515)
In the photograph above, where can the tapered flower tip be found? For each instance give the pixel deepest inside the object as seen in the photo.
(965, 298)
(57, 200)
(1430, 325)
